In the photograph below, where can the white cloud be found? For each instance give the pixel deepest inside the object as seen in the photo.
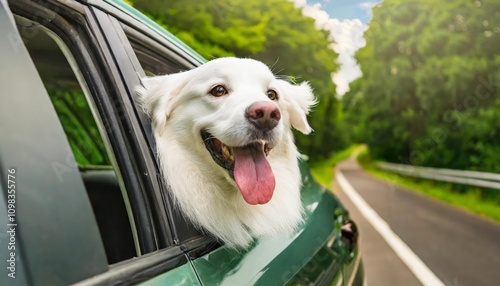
(348, 37)
(367, 6)
(314, 11)
(299, 3)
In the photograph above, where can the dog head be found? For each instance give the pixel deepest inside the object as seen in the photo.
(233, 113)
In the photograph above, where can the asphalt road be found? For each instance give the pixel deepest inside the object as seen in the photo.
(460, 248)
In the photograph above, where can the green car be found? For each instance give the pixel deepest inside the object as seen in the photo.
(82, 200)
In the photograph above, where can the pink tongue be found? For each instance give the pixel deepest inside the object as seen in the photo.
(253, 175)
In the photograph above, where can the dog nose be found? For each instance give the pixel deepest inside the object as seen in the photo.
(263, 115)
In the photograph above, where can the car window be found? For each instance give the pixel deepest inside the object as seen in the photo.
(78, 124)
(85, 133)
(156, 59)
(153, 61)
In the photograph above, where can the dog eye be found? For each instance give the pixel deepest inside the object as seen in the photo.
(272, 94)
(218, 91)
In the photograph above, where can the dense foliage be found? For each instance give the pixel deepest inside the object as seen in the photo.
(79, 126)
(273, 31)
(430, 91)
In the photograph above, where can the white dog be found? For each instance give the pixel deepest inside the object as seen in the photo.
(223, 133)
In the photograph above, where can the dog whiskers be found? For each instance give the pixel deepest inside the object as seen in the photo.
(272, 67)
(209, 138)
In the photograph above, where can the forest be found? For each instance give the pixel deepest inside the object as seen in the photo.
(429, 93)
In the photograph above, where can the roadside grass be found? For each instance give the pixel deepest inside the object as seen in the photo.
(322, 171)
(468, 198)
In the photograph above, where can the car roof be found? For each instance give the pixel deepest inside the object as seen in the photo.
(125, 12)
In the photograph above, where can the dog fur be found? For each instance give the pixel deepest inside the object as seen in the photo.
(181, 106)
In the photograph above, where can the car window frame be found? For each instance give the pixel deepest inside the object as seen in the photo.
(116, 56)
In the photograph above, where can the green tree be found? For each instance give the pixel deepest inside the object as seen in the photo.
(429, 93)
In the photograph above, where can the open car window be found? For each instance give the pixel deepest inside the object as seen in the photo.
(156, 60)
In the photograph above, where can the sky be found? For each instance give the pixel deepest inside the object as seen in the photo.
(346, 20)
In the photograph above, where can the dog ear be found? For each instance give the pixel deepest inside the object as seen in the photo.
(158, 96)
(298, 101)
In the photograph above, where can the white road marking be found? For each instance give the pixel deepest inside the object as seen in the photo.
(417, 266)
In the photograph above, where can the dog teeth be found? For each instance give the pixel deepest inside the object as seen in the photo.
(267, 149)
(227, 153)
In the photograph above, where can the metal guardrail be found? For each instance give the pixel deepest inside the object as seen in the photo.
(471, 178)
